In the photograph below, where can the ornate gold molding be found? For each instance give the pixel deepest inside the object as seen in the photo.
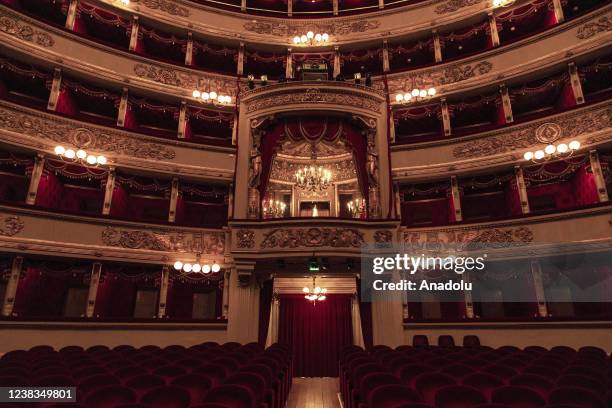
(591, 29)
(463, 238)
(13, 225)
(59, 130)
(212, 243)
(246, 238)
(522, 137)
(292, 28)
(453, 5)
(313, 95)
(165, 6)
(313, 237)
(12, 25)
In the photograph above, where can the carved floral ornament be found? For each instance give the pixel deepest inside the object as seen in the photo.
(210, 243)
(564, 126)
(451, 6)
(60, 131)
(461, 239)
(11, 225)
(245, 238)
(165, 6)
(14, 26)
(184, 80)
(313, 237)
(312, 96)
(290, 29)
(601, 25)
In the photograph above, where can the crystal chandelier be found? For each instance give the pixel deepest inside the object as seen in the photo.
(274, 209)
(559, 151)
(315, 292)
(79, 156)
(313, 178)
(310, 38)
(356, 207)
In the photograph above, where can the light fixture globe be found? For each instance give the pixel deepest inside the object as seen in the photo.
(101, 160)
(81, 154)
(325, 37)
(416, 92)
(216, 267)
(305, 289)
(187, 267)
(528, 156)
(550, 149)
(196, 93)
(562, 148)
(91, 159)
(574, 145)
(213, 95)
(196, 268)
(296, 39)
(399, 97)
(178, 265)
(310, 35)
(59, 150)
(70, 154)
(539, 155)
(206, 268)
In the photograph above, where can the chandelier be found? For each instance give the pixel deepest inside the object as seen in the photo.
(79, 156)
(310, 38)
(274, 208)
(356, 206)
(197, 267)
(313, 178)
(560, 151)
(211, 97)
(314, 292)
(416, 95)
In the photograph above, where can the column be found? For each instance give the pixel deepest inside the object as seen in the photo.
(600, 182)
(522, 189)
(391, 127)
(108, 192)
(134, 33)
(336, 201)
(536, 271)
(381, 4)
(289, 8)
(71, 15)
(437, 46)
(576, 84)
(11, 287)
(446, 123)
(289, 66)
(94, 281)
(493, 31)
(387, 322)
(240, 67)
(467, 296)
(55, 89)
(506, 103)
(189, 49)
(243, 313)
(173, 199)
(559, 17)
(386, 65)
(230, 202)
(398, 201)
(182, 125)
(123, 106)
(163, 292)
(226, 281)
(242, 5)
(39, 165)
(456, 197)
(335, 6)
(336, 61)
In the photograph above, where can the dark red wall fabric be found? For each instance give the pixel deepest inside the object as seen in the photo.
(315, 332)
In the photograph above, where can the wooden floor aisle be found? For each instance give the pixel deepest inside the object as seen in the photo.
(314, 393)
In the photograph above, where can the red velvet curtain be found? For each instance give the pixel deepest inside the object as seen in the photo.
(316, 332)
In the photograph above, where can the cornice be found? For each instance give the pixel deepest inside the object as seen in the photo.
(42, 131)
(591, 126)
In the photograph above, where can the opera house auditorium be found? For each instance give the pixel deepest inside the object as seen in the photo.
(306, 203)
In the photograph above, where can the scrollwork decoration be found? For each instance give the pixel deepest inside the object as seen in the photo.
(12, 225)
(14, 26)
(313, 237)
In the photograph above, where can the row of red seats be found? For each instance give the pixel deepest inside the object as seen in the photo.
(447, 376)
(206, 375)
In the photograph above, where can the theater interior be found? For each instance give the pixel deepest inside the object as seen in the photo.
(306, 203)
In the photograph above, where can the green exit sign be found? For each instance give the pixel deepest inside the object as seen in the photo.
(313, 266)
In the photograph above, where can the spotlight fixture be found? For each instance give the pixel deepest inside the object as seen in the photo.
(79, 156)
(416, 95)
(211, 97)
(310, 38)
(560, 151)
(197, 267)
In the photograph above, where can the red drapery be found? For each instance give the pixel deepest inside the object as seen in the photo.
(315, 332)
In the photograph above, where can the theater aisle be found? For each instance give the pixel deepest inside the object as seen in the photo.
(314, 393)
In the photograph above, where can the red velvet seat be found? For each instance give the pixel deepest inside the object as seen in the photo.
(196, 385)
(428, 384)
(392, 395)
(483, 382)
(109, 397)
(214, 372)
(471, 341)
(457, 370)
(370, 382)
(592, 351)
(581, 381)
(254, 383)
(142, 383)
(518, 397)
(128, 372)
(170, 371)
(500, 371)
(89, 371)
(54, 381)
(577, 397)
(97, 349)
(14, 381)
(459, 396)
(538, 383)
(43, 349)
(420, 340)
(231, 396)
(537, 350)
(446, 341)
(166, 397)
(97, 381)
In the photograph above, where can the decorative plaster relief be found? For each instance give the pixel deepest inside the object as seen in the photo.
(313, 95)
(437, 77)
(383, 237)
(313, 237)
(591, 29)
(210, 243)
(165, 6)
(284, 170)
(462, 238)
(12, 25)
(246, 238)
(454, 5)
(13, 225)
(60, 130)
(563, 126)
(290, 29)
(187, 81)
